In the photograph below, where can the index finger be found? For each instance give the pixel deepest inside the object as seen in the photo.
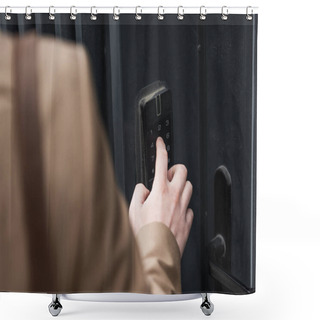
(161, 162)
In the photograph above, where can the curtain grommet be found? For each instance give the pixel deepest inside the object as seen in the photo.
(116, 13)
(203, 13)
(73, 13)
(93, 15)
(7, 12)
(138, 16)
(160, 14)
(249, 13)
(180, 15)
(52, 12)
(224, 13)
(28, 13)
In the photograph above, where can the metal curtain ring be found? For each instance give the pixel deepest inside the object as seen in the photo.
(249, 15)
(93, 16)
(7, 10)
(180, 13)
(28, 13)
(160, 14)
(73, 13)
(138, 15)
(52, 11)
(224, 13)
(116, 13)
(203, 13)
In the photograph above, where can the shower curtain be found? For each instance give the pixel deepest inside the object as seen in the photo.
(84, 96)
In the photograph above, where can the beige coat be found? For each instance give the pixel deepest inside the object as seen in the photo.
(64, 224)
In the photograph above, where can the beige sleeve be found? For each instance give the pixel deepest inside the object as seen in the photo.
(160, 258)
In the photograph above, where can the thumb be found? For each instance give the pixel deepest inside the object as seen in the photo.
(140, 194)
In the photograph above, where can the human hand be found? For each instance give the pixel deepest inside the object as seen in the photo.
(168, 200)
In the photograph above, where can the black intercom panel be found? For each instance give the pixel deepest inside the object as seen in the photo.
(154, 119)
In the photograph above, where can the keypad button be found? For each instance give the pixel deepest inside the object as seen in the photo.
(161, 129)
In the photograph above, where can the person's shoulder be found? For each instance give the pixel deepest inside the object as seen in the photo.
(6, 41)
(59, 57)
(58, 43)
(62, 49)
(62, 52)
